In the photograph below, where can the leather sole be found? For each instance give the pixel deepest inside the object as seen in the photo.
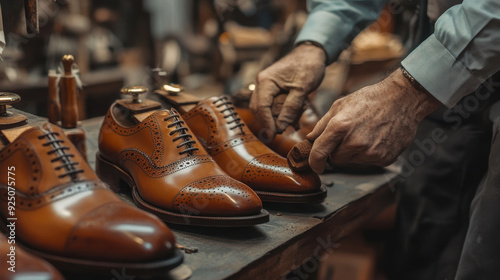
(116, 177)
(103, 268)
(316, 197)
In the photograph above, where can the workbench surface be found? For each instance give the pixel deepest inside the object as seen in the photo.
(296, 234)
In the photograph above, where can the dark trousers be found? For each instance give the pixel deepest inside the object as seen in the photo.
(480, 258)
(446, 227)
(434, 201)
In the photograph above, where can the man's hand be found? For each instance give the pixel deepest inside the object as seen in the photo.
(372, 125)
(298, 73)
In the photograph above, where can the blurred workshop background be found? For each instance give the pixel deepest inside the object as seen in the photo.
(210, 47)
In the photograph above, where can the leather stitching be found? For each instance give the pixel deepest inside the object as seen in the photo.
(32, 202)
(229, 144)
(154, 171)
(153, 127)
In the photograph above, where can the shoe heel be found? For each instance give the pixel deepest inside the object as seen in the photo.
(109, 174)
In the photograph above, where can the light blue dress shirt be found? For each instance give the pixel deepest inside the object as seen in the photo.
(462, 53)
(334, 23)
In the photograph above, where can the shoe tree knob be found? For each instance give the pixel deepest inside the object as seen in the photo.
(6, 99)
(135, 92)
(161, 82)
(172, 89)
(136, 105)
(10, 119)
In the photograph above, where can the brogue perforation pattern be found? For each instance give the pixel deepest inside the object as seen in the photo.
(202, 110)
(35, 165)
(154, 171)
(229, 144)
(152, 125)
(208, 189)
(34, 201)
(267, 165)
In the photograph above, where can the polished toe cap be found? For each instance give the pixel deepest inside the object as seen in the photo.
(270, 172)
(118, 232)
(217, 196)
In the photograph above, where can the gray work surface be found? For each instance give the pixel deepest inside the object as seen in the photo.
(294, 235)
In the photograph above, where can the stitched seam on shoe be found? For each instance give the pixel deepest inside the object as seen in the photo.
(218, 180)
(23, 144)
(138, 127)
(52, 195)
(251, 162)
(153, 126)
(162, 170)
(213, 151)
(201, 106)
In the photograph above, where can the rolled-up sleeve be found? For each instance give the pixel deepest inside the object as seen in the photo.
(462, 53)
(334, 23)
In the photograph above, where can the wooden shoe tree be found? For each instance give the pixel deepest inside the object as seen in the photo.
(175, 95)
(12, 124)
(139, 109)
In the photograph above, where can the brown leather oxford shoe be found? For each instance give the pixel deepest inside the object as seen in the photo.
(18, 264)
(66, 215)
(241, 155)
(282, 143)
(170, 173)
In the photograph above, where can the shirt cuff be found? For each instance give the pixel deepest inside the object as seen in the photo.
(439, 72)
(328, 30)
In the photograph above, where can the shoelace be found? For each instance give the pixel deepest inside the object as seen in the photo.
(223, 101)
(181, 130)
(61, 154)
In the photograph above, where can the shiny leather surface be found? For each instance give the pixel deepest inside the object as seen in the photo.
(188, 183)
(63, 209)
(26, 266)
(284, 142)
(240, 154)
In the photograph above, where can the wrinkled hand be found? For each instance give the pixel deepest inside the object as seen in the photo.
(298, 73)
(372, 125)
